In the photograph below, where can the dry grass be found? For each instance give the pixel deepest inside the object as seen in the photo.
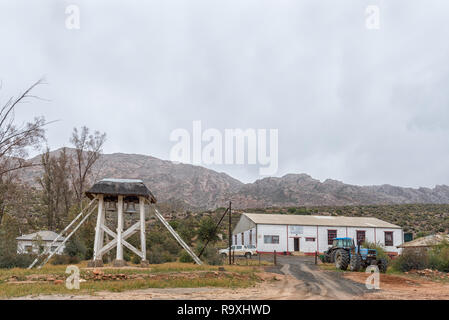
(167, 275)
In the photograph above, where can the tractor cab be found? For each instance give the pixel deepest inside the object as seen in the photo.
(346, 243)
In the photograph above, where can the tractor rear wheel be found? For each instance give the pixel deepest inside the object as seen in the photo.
(355, 262)
(382, 265)
(342, 259)
(332, 256)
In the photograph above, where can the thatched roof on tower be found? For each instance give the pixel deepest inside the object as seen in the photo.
(131, 189)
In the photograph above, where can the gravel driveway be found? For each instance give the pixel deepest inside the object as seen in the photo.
(314, 283)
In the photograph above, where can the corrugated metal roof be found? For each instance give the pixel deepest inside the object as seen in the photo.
(332, 221)
(428, 241)
(43, 235)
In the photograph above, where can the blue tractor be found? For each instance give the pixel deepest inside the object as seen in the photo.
(345, 254)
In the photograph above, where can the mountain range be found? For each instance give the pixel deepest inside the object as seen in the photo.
(196, 187)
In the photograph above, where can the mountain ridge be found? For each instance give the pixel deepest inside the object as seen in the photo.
(197, 187)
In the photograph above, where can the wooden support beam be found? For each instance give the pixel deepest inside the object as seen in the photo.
(97, 242)
(133, 249)
(109, 231)
(142, 228)
(113, 243)
(119, 255)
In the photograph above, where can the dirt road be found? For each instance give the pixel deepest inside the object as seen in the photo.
(313, 283)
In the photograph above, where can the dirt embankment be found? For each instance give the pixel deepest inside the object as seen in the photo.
(403, 287)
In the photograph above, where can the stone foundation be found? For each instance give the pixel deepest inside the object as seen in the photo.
(119, 263)
(95, 263)
(144, 264)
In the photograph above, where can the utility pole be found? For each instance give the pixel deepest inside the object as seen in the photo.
(230, 234)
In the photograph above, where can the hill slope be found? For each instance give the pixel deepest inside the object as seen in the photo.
(303, 190)
(198, 187)
(179, 184)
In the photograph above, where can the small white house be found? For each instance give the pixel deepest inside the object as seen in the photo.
(308, 234)
(38, 242)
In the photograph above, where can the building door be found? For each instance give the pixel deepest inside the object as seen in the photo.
(296, 244)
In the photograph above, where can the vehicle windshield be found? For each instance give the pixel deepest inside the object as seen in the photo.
(344, 243)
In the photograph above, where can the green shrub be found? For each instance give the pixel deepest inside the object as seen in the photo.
(15, 260)
(157, 254)
(59, 259)
(136, 259)
(167, 257)
(75, 248)
(439, 257)
(24, 260)
(206, 230)
(211, 256)
(411, 259)
(185, 257)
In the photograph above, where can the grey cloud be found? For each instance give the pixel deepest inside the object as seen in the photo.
(364, 107)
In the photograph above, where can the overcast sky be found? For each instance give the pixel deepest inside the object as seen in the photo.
(352, 104)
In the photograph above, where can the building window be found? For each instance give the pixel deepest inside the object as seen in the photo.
(360, 237)
(250, 237)
(310, 239)
(331, 235)
(29, 249)
(235, 239)
(271, 239)
(243, 239)
(389, 238)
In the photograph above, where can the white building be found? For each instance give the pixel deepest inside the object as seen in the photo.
(38, 242)
(307, 234)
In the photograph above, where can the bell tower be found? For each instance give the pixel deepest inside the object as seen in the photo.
(119, 196)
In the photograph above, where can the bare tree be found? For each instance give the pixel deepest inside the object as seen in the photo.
(8, 192)
(16, 139)
(56, 192)
(88, 148)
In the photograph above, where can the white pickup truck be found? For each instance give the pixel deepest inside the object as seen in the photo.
(246, 251)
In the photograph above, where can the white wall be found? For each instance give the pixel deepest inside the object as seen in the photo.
(273, 230)
(398, 239)
(286, 237)
(246, 237)
(304, 246)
